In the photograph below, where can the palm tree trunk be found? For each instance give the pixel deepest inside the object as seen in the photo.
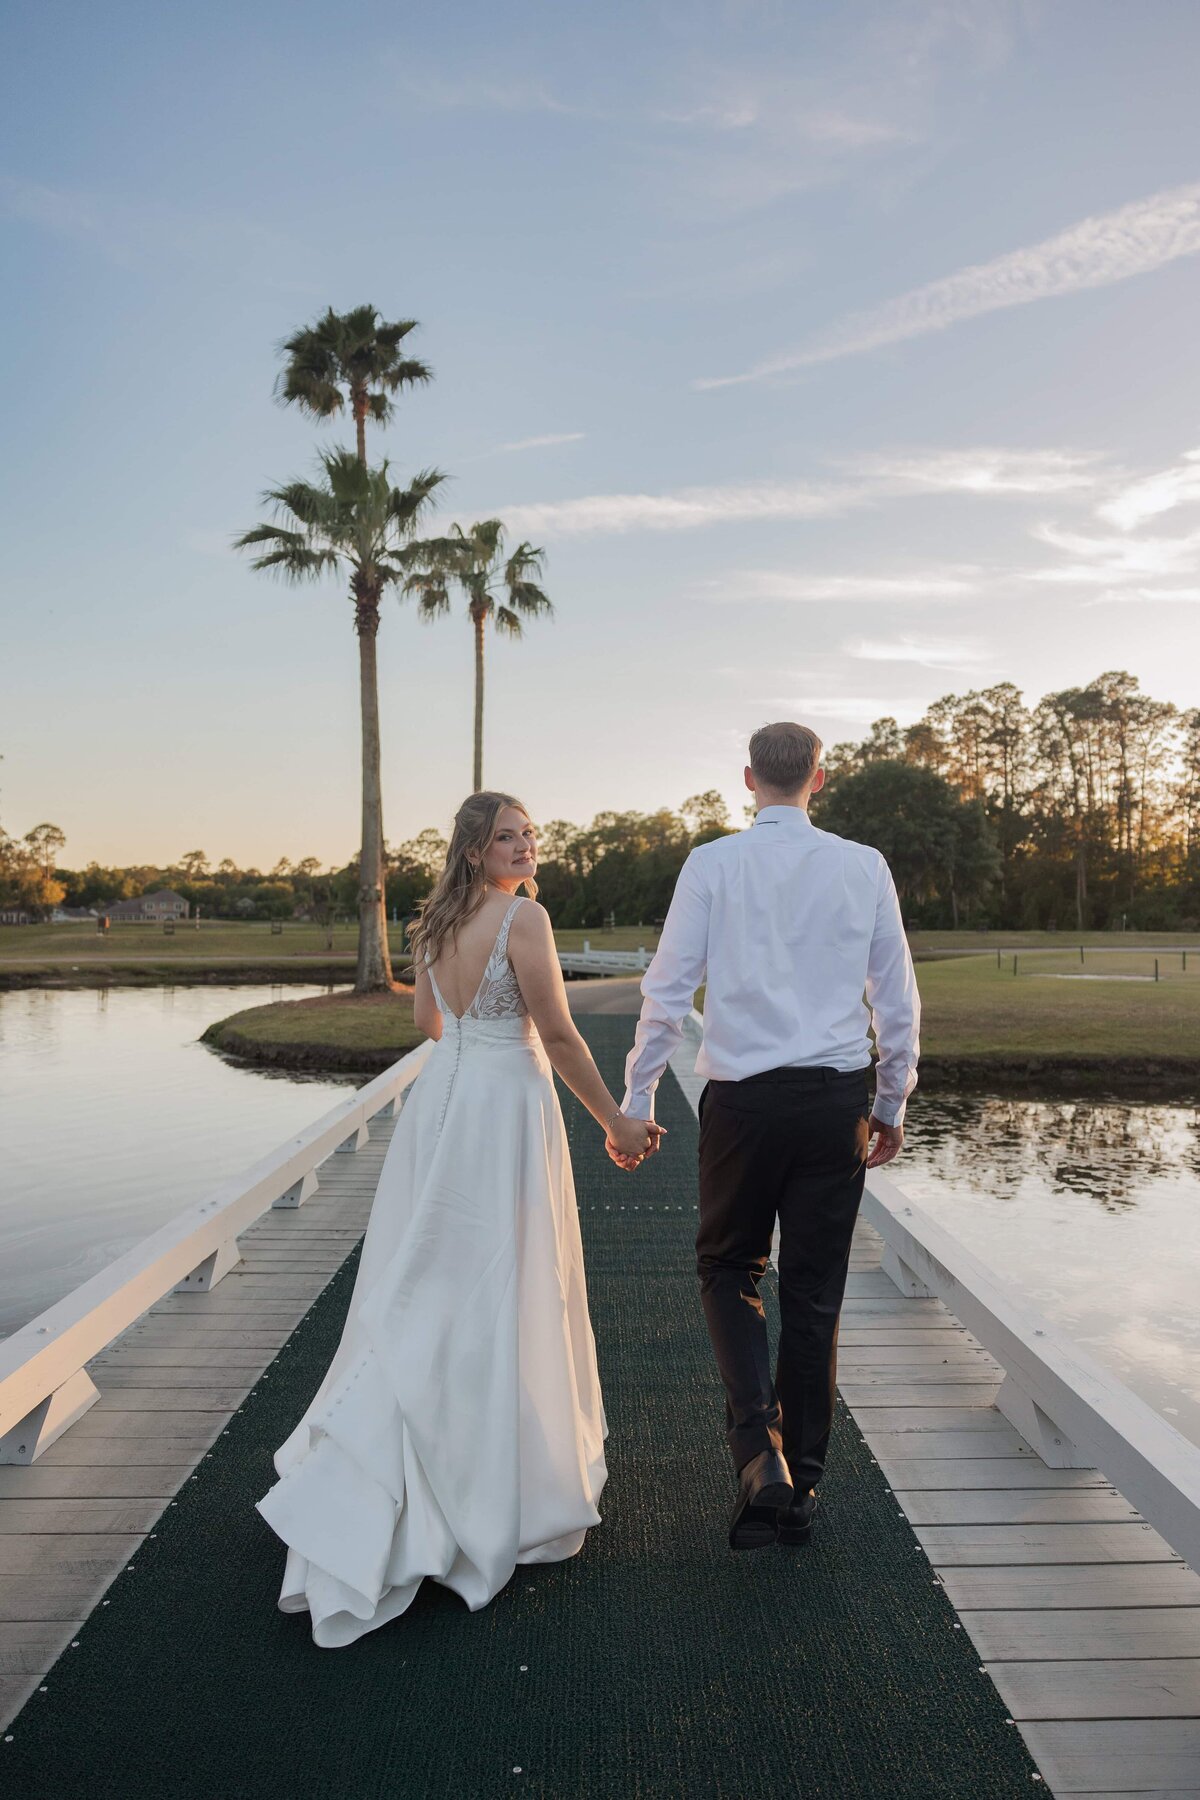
(479, 621)
(374, 963)
(358, 404)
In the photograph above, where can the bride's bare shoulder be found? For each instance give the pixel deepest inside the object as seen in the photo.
(531, 924)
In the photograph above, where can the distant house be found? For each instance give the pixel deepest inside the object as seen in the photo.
(73, 915)
(13, 915)
(150, 909)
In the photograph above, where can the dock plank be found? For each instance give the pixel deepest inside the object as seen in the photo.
(909, 1474)
(948, 1546)
(1045, 1587)
(78, 1515)
(1096, 1633)
(1121, 1755)
(1158, 1688)
(1017, 1506)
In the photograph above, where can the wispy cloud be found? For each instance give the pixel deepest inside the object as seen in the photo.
(133, 233)
(1153, 494)
(1109, 560)
(470, 94)
(926, 653)
(542, 443)
(1147, 596)
(849, 709)
(979, 471)
(959, 582)
(684, 510)
(1100, 250)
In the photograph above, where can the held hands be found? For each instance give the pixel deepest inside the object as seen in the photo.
(889, 1140)
(629, 1141)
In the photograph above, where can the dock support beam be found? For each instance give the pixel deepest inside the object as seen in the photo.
(299, 1191)
(906, 1279)
(1051, 1442)
(49, 1419)
(205, 1276)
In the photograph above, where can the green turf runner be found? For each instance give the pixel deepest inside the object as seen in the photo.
(656, 1663)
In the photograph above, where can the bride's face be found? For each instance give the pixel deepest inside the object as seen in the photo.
(512, 853)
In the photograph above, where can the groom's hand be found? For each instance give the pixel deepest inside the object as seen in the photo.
(889, 1140)
(631, 1140)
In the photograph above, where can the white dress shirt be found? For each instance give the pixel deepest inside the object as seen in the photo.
(792, 927)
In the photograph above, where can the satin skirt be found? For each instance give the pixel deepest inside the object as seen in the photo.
(459, 1429)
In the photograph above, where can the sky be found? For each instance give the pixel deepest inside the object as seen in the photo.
(838, 357)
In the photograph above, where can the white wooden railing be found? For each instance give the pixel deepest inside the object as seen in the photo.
(44, 1385)
(1067, 1406)
(604, 962)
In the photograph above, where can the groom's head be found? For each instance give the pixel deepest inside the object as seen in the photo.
(785, 765)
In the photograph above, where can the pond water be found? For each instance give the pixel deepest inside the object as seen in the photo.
(1091, 1210)
(114, 1117)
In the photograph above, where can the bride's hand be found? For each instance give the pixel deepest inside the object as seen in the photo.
(629, 1140)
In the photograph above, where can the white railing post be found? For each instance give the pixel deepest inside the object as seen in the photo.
(1053, 1445)
(53, 1415)
(205, 1276)
(299, 1191)
(44, 1384)
(906, 1279)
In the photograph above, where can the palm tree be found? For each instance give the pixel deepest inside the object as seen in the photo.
(349, 358)
(353, 521)
(499, 588)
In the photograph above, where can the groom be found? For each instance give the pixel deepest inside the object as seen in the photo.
(790, 927)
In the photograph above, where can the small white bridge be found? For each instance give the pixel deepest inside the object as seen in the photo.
(1060, 1513)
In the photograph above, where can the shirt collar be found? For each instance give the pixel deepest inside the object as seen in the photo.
(794, 816)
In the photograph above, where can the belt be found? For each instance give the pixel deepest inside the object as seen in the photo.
(804, 1075)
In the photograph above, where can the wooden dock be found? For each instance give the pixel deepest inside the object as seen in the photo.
(71, 1521)
(1084, 1618)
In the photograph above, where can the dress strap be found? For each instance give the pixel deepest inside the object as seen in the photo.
(437, 992)
(501, 948)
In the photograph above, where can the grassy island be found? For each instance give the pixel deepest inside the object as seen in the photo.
(1066, 1027)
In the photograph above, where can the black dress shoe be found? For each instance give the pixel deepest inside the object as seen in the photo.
(795, 1522)
(764, 1486)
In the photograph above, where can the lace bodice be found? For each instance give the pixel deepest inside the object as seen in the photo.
(498, 996)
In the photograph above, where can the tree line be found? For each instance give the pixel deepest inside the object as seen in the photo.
(1082, 810)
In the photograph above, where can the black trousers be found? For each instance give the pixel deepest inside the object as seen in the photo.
(788, 1144)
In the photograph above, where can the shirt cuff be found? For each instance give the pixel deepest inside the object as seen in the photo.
(889, 1113)
(638, 1106)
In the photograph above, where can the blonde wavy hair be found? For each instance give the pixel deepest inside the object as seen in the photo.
(460, 888)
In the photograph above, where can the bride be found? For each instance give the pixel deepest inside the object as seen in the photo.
(459, 1428)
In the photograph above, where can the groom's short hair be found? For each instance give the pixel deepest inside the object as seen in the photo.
(785, 756)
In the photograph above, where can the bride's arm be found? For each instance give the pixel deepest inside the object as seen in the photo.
(426, 1014)
(533, 955)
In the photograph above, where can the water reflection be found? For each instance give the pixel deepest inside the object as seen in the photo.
(1106, 1150)
(113, 1118)
(1091, 1210)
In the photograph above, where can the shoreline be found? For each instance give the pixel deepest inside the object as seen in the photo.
(1019, 1076)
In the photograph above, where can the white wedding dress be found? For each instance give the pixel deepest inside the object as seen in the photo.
(459, 1429)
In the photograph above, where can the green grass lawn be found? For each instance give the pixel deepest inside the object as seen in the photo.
(345, 1024)
(969, 1008)
(218, 941)
(970, 1011)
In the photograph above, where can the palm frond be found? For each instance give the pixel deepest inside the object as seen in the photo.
(292, 553)
(409, 504)
(507, 621)
(529, 599)
(431, 595)
(525, 561)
